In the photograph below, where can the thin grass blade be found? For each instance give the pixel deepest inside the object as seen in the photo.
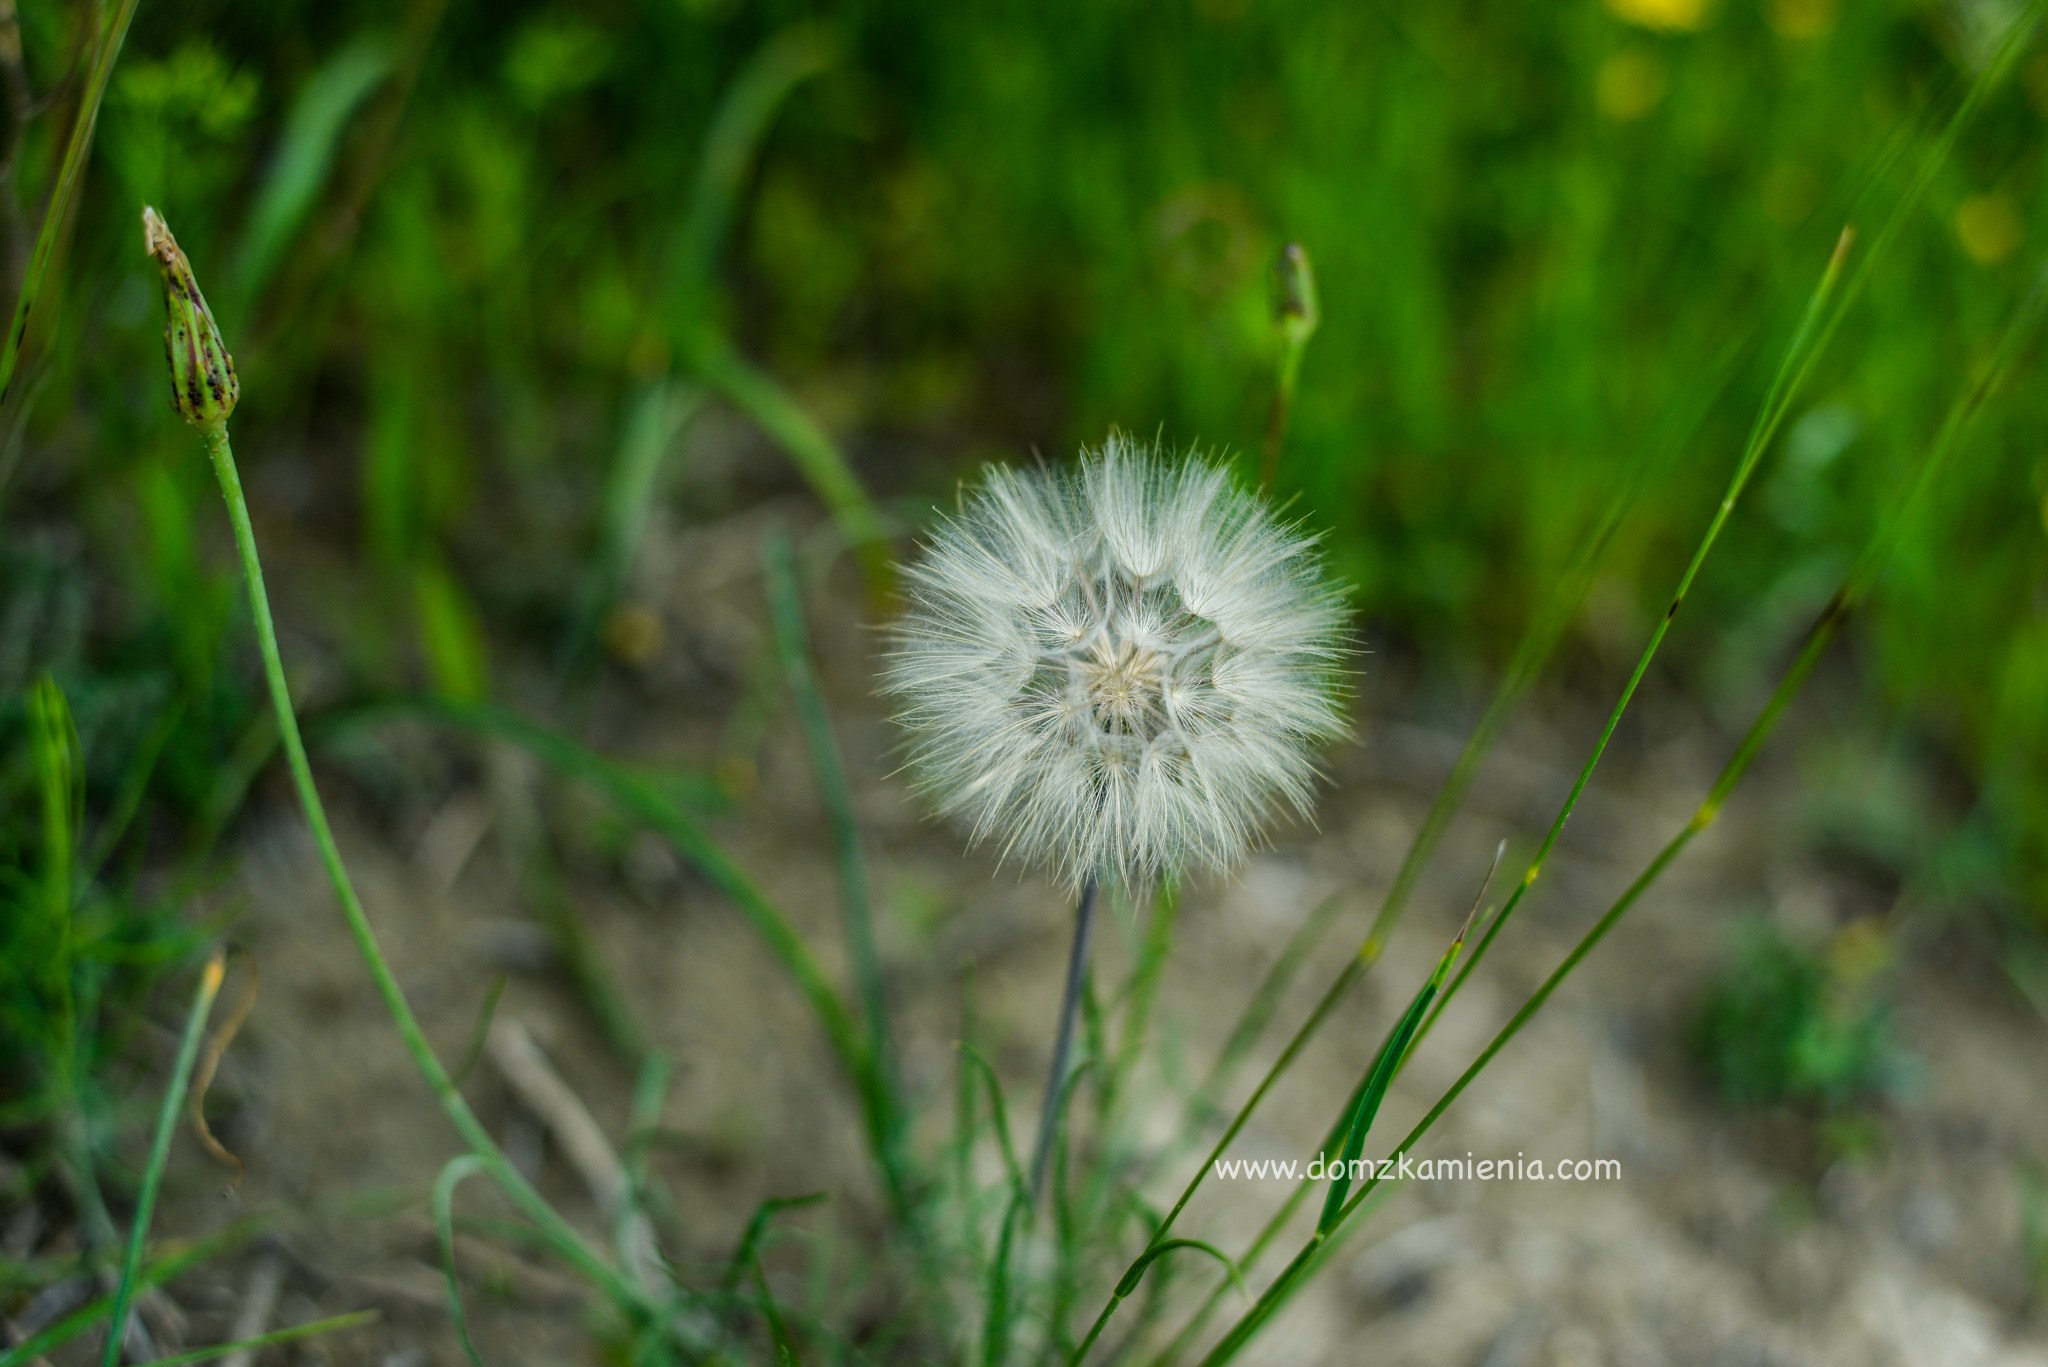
(333, 1324)
(995, 1334)
(57, 214)
(452, 1176)
(885, 1111)
(1374, 1091)
(160, 1150)
(655, 419)
(818, 458)
(730, 148)
(312, 133)
(999, 1114)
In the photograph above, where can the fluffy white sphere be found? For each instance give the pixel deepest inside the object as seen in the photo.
(1118, 671)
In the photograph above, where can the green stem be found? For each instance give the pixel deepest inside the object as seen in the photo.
(159, 1154)
(1815, 327)
(530, 1202)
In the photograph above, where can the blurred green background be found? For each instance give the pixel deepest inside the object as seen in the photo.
(471, 259)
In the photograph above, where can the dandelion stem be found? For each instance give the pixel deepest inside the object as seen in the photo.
(1063, 1046)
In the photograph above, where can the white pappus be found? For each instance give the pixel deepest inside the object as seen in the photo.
(1118, 671)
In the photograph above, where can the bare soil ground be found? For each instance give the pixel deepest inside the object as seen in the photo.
(1729, 1238)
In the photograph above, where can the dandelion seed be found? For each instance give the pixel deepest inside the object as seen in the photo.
(1123, 671)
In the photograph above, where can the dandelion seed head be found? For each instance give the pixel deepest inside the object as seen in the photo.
(1124, 670)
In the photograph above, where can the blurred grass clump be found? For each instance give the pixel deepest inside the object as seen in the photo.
(465, 241)
(1786, 1023)
(80, 947)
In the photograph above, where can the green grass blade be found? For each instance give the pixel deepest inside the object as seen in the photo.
(885, 1118)
(995, 1333)
(778, 1323)
(1296, 315)
(305, 153)
(999, 1115)
(333, 1324)
(1352, 969)
(480, 1033)
(57, 214)
(1322, 1254)
(655, 419)
(960, 1148)
(127, 803)
(1178, 1350)
(1374, 1091)
(60, 787)
(451, 631)
(747, 1257)
(643, 1206)
(579, 957)
(817, 456)
(160, 1150)
(1347, 1135)
(1137, 1272)
(452, 1175)
(1134, 1023)
(1265, 1001)
(730, 147)
(1812, 333)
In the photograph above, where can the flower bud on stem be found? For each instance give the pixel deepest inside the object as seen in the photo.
(203, 383)
(203, 392)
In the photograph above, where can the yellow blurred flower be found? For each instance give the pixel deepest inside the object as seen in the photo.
(1672, 16)
(1629, 85)
(1989, 228)
(1801, 19)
